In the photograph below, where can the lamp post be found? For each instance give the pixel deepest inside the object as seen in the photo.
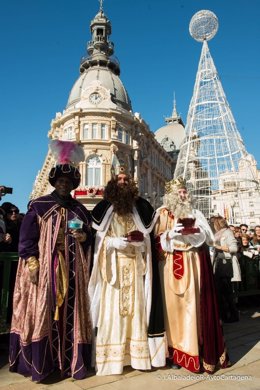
(232, 205)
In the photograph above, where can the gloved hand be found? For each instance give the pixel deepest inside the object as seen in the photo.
(175, 231)
(34, 276)
(79, 235)
(137, 243)
(33, 266)
(119, 243)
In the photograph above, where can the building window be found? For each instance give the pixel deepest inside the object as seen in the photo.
(94, 130)
(103, 131)
(100, 31)
(127, 138)
(86, 131)
(69, 133)
(93, 178)
(252, 213)
(120, 134)
(144, 183)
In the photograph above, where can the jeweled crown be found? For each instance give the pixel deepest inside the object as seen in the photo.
(175, 184)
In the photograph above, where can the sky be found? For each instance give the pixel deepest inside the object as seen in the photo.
(42, 42)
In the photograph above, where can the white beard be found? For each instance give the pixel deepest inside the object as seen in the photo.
(182, 210)
(179, 208)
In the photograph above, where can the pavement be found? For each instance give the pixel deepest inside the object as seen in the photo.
(243, 344)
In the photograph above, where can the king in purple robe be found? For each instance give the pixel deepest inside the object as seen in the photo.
(51, 325)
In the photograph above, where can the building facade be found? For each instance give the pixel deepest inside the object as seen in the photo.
(171, 135)
(99, 116)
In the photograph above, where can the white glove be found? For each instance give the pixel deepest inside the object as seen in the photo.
(120, 243)
(137, 243)
(175, 231)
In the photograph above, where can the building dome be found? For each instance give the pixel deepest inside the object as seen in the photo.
(172, 133)
(104, 78)
(99, 70)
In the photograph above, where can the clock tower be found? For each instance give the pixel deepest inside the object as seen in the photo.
(99, 116)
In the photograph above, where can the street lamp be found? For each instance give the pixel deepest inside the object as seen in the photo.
(232, 205)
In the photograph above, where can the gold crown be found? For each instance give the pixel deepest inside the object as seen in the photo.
(118, 164)
(175, 184)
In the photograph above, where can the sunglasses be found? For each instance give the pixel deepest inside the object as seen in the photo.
(13, 212)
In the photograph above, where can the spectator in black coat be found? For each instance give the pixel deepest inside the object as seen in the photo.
(12, 224)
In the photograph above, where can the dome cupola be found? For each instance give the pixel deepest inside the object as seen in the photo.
(99, 83)
(100, 49)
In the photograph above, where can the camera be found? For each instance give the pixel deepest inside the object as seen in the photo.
(5, 190)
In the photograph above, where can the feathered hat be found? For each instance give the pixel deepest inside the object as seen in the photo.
(67, 155)
(175, 184)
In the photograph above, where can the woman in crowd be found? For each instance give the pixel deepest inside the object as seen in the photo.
(226, 268)
(249, 264)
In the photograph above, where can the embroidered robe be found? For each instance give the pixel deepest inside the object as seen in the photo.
(43, 336)
(194, 334)
(120, 291)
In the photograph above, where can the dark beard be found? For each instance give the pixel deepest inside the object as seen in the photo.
(121, 197)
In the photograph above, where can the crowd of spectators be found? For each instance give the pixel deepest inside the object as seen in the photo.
(248, 254)
(236, 263)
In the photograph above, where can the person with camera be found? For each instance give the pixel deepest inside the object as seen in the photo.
(124, 287)
(193, 329)
(5, 190)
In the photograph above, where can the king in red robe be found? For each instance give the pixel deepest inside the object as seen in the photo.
(193, 328)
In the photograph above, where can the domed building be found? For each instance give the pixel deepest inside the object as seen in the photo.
(99, 116)
(172, 135)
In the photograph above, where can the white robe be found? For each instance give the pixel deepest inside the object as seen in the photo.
(120, 292)
(180, 280)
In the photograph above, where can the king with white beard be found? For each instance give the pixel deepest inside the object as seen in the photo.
(183, 235)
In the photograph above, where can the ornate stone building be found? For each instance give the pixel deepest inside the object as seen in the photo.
(99, 116)
(172, 135)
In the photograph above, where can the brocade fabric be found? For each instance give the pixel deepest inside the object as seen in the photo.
(194, 333)
(39, 344)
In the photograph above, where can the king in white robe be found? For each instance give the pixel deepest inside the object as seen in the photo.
(120, 291)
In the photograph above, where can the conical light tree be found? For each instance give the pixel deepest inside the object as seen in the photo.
(220, 173)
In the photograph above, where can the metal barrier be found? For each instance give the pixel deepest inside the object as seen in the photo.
(8, 264)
